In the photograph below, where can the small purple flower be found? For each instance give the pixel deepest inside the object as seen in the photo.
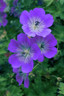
(2, 5)
(36, 22)
(3, 20)
(20, 76)
(46, 45)
(40, 2)
(15, 2)
(24, 53)
(16, 9)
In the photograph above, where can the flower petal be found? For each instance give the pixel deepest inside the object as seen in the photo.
(4, 23)
(51, 40)
(44, 33)
(41, 58)
(51, 52)
(37, 12)
(24, 17)
(48, 20)
(15, 70)
(27, 31)
(13, 45)
(23, 39)
(3, 5)
(14, 61)
(35, 50)
(19, 79)
(4, 15)
(26, 68)
(26, 82)
(0, 24)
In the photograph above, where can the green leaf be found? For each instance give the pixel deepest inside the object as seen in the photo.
(48, 2)
(58, 31)
(27, 2)
(61, 88)
(15, 90)
(62, 1)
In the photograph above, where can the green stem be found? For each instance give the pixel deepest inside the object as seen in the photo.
(35, 66)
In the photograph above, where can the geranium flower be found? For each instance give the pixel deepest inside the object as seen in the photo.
(36, 22)
(20, 76)
(24, 53)
(3, 20)
(46, 45)
(2, 5)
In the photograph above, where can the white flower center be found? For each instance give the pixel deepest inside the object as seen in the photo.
(24, 54)
(36, 25)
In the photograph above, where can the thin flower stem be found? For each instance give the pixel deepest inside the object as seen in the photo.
(35, 66)
(44, 70)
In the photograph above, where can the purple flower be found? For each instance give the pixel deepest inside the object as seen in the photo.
(15, 2)
(40, 2)
(2, 5)
(24, 53)
(20, 76)
(3, 20)
(36, 22)
(46, 45)
(16, 9)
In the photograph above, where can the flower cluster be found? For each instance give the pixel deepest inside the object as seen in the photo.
(26, 50)
(2, 5)
(16, 9)
(3, 21)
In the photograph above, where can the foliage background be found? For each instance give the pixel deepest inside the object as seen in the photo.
(47, 78)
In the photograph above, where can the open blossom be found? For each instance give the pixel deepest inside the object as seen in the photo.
(2, 5)
(36, 22)
(20, 76)
(24, 53)
(46, 45)
(3, 20)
